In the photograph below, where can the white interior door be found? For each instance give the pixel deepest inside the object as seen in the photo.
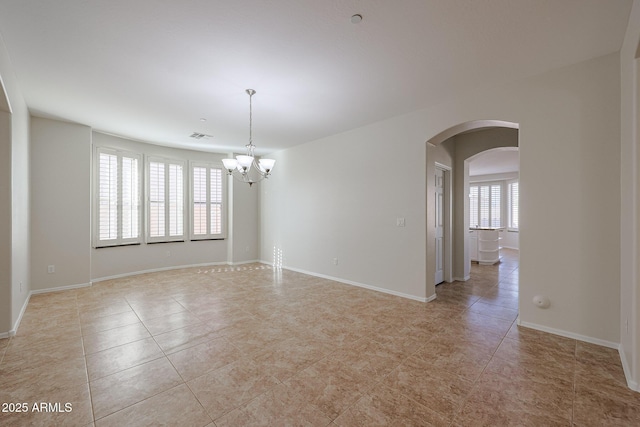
(439, 216)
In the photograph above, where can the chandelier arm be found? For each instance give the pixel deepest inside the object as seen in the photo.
(244, 177)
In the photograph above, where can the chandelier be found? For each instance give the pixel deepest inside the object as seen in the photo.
(241, 166)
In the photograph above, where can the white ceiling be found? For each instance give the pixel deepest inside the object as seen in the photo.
(495, 161)
(151, 69)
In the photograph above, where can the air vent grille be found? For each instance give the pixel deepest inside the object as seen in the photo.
(198, 135)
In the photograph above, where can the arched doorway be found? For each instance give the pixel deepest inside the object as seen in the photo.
(452, 148)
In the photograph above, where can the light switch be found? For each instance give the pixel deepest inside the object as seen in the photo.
(400, 222)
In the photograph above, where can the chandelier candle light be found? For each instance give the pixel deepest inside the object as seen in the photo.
(241, 165)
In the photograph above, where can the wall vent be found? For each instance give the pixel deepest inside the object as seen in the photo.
(198, 135)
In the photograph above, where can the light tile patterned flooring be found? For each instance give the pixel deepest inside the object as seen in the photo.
(255, 346)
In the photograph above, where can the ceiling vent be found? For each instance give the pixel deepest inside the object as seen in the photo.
(198, 135)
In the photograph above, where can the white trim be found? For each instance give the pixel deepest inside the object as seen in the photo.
(447, 192)
(358, 284)
(248, 262)
(462, 279)
(61, 288)
(431, 298)
(13, 331)
(16, 325)
(6, 96)
(176, 267)
(155, 270)
(568, 334)
(633, 385)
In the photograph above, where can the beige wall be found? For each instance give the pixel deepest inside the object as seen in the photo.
(569, 152)
(340, 197)
(5, 222)
(244, 244)
(60, 201)
(14, 198)
(630, 199)
(569, 141)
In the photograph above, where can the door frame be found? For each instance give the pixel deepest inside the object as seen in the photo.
(447, 253)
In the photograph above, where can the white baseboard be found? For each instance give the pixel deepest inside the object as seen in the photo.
(462, 279)
(431, 298)
(633, 385)
(156, 270)
(13, 331)
(16, 325)
(253, 261)
(510, 247)
(567, 334)
(358, 284)
(60, 288)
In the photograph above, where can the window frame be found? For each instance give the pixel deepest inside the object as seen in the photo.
(119, 240)
(223, 201)
(167, 237)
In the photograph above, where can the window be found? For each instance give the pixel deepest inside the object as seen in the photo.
(485, 209)
(165, 195)
(206, 194)
(513, 189)
(118, 198)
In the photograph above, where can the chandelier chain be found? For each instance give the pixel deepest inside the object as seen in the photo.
(250, 118)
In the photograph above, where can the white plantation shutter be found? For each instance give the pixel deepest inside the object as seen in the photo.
(485, 205)
(496, 207)
(215, 183)
(206, 196)
(473, 207)
(108, 198)
(199, 201)
(176, 200)
(130, 198)
(165, 189)
(513, 205)
(156, 199)
(118, 198)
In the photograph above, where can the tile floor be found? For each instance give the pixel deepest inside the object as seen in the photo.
(255, 346)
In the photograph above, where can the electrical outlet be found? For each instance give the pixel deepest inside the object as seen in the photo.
(400, 222)
(51, 269)
(168, 254)
(335, 261)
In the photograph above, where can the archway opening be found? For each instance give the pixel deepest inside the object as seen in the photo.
(457, 147)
